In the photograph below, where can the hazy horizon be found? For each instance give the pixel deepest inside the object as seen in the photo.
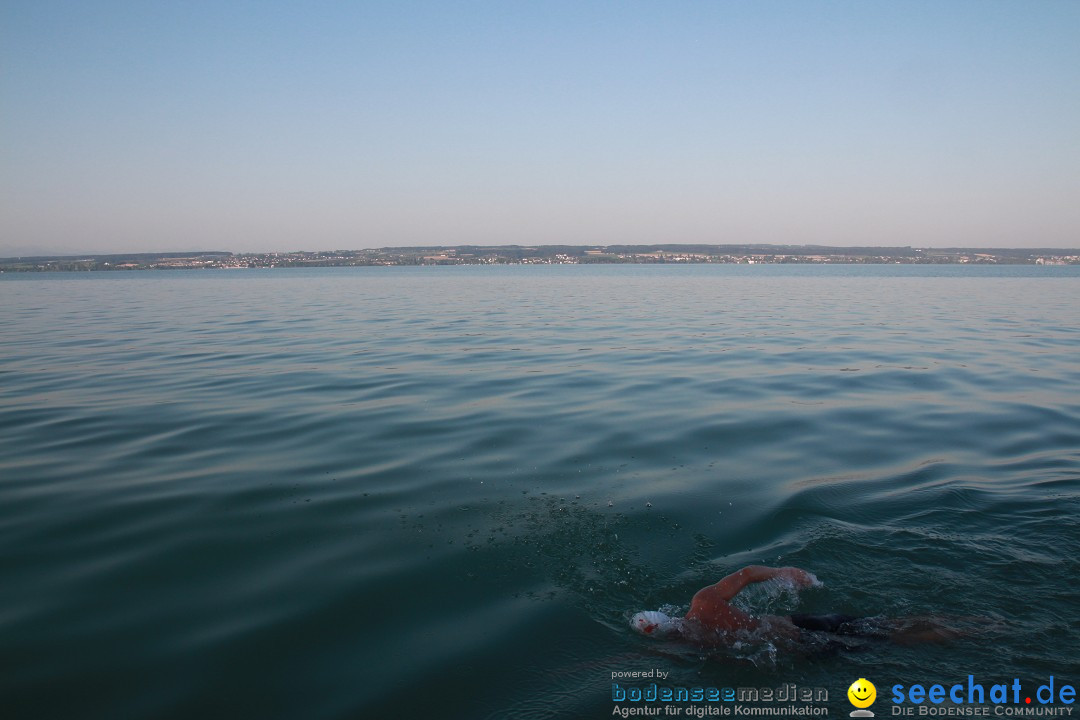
(201, 251)
(271, 127)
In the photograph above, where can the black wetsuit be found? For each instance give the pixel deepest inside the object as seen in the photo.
(839, 624)
(832, 623)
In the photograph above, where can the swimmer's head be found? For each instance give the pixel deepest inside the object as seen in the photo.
(655, 623)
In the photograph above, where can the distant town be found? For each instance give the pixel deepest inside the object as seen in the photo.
(544, 255)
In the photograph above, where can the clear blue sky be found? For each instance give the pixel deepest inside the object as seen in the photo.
(268, 125)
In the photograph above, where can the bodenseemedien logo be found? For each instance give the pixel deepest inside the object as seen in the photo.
(862, 694)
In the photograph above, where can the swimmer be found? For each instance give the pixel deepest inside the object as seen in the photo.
(712, 620)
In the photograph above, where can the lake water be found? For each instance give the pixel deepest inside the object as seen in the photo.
(442, 492)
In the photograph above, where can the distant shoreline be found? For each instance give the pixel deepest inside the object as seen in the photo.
(548, 255)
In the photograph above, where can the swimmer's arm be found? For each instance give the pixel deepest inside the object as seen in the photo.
(730, 586)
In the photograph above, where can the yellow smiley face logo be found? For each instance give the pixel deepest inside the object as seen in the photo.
(862, 693)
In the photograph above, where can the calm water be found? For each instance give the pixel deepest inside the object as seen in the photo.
(441, 492)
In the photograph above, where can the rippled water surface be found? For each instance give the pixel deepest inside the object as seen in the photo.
(441, 492)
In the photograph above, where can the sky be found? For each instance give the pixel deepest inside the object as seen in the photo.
(276, 126)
